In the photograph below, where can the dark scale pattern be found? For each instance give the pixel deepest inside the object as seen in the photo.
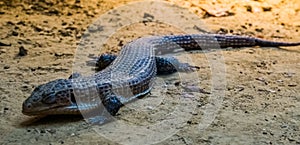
(170, 44)
(164, 65)
(128, 76)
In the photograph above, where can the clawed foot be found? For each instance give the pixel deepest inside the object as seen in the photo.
(185, 67)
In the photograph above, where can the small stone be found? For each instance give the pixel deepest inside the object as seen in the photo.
(64, 23)
(267, 9)
(260, 79)
(6, 67)
(288, 74)
(148, 17)
(53, 12)
(243, 26)
(291, 139)
(69, 14)
(10, 23)
(177, 83)
(222, 31)
(248, 8)
(265, 133)
(22, 51)
(21, 23)
(92, 28)
(14, 33)
(42, 131)
(37, 28)
(52, 131)
(259, 29)
(292, 85)
(4, 44)
(65, 33)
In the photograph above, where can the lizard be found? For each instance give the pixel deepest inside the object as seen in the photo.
(129, 75)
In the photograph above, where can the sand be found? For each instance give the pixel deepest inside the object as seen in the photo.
(260, 104)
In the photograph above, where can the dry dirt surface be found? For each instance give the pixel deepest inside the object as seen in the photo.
(262, 99)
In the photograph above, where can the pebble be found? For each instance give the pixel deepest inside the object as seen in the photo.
(248, 8)
(22, 51)
(288, 74)
(4, 44)
(292, 85)
(14, 33)
(42, 131)
(65, 33)
(53, 12)
(261, 79)
(10, 23)
(94, 28)
(52, 131)
(259, 29)
(6, 67)
(37, 28)
(148, 18)
(21, 23)
(267, 9)
(64, 23)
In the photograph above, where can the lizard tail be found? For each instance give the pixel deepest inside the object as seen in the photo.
(265, 43)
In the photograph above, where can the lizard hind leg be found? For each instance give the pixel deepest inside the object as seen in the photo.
(169, 65)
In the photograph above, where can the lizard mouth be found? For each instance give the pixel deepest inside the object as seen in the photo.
(56, 110)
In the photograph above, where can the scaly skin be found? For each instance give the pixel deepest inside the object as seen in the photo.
(130, 75)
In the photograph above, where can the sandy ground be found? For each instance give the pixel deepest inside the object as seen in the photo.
(261, 103)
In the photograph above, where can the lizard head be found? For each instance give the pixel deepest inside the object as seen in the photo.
(55, 97)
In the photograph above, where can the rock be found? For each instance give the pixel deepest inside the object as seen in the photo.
(148, 17)
(6, 67)
(249, 8)
(4, 44)
(267, 9)
(53, 12)
(292, 85)
(37, 28)
(259, 29)
(21, 23)
(22, 51)
(14, 33)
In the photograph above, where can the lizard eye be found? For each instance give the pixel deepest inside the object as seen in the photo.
(49, 99)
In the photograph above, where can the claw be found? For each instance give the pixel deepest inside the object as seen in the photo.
(185, 67)
(74, 75)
